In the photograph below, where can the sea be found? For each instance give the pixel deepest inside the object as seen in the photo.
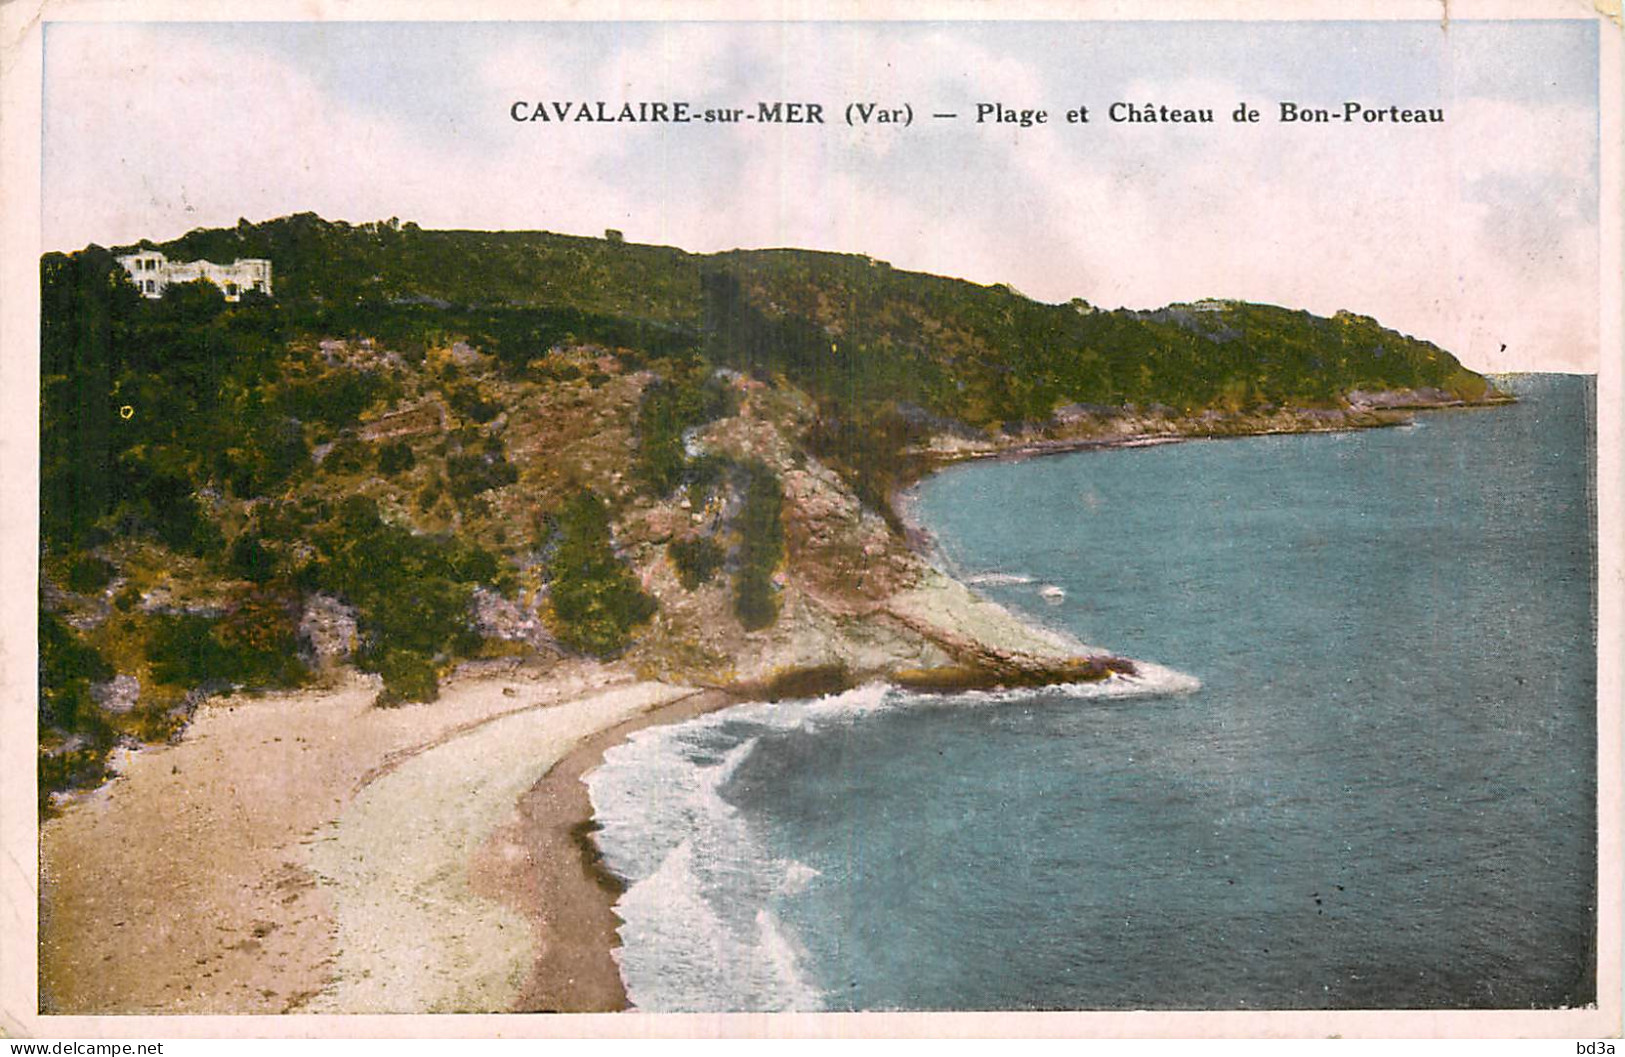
(1375, 787)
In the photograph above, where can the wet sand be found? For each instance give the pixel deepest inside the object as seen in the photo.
(546, 865)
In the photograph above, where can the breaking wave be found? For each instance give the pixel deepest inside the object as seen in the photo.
(997, 579)
(705, 923)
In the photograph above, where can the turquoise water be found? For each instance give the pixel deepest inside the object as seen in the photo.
(1382, 795)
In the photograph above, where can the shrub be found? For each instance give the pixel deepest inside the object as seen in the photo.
(396, 458)
(666, 411)
(260, 637)
(411, 594)
(336, 397)
(697, 560)
(468, 402)
(265, 456)
(761, 547)
(255, 644)
(67, 667)
(250, 559)
(596, 601)
(407, 677)
(346, 456)
(165, 504)
(471, 474)
(89, 574)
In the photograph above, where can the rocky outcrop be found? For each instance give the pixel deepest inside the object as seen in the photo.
(495, 617)
(327, 631)
(119, 694)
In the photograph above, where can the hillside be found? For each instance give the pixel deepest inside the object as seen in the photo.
(433, 449)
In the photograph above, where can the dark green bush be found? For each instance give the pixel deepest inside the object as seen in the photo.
(697, 560)
(666, 411)
(88, 574)
(761, 547)
(411, 592)
(596, 601)
(67, 667)
(469, 402)
(268, 453)
(470, 474)
(346, 456)
(255, 644)
(407, 676)
(396, 458)
(260, 637)
(164, 504)
(249, 559)
(336, 397)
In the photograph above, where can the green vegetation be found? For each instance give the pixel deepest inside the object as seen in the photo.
(250, 559)
(411, 593)
(254, 645)
(761, 548)
(480, 470)
(595, 599)
(697, 560)
(67, 668)
(468, 401)
(667, 410)
(396, 458)
(407, 676)
(89, 574)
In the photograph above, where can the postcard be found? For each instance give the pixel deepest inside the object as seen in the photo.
(1087, 521)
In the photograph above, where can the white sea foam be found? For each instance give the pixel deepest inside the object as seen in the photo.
(698, 931)
(997, 579)
(797, 876)
(704, 924)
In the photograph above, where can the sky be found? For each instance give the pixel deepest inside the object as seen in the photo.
(1480, 234)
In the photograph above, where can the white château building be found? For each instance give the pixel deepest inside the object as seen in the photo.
(152, 271)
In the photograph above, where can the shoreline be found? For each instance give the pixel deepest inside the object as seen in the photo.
(1177, 430)
(559, 881)
(932, 461)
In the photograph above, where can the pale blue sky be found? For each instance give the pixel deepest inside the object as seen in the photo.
(1473, 234)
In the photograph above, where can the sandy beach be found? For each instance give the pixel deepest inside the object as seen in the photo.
(217, 875)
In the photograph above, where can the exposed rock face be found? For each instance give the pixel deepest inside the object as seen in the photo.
(163, 600)
(497, 618)
(855, 602)
(1363, 400)
(424, 418)
(119, 694)
(327, 631)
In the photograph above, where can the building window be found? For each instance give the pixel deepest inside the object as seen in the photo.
(149, 286)
(231, 289)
